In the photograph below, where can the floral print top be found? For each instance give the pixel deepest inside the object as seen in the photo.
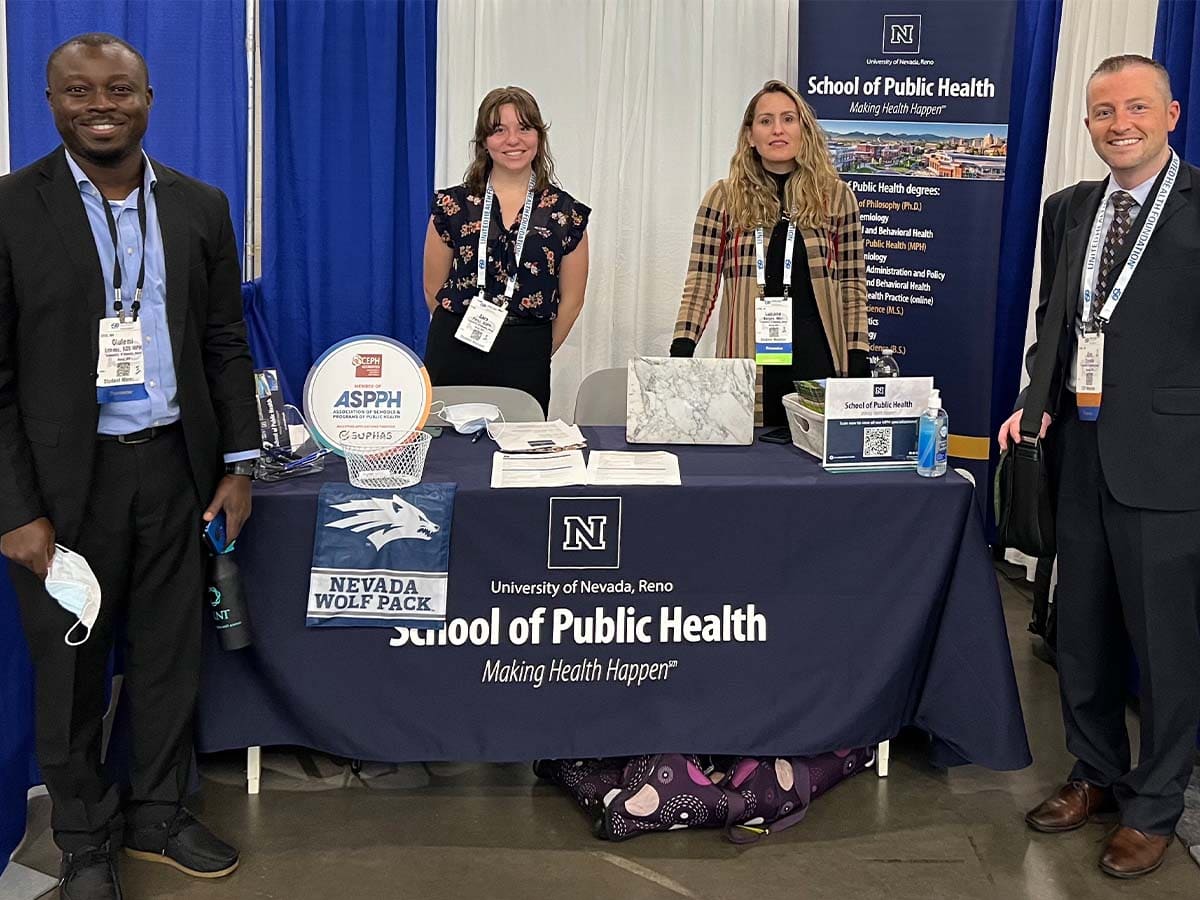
(556, 226)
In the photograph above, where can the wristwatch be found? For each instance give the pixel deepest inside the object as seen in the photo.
(241, 467)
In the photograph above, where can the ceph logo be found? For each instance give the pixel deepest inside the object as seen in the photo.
(879, 390)
(585, 533)
(387, 520)
(902, 34)
(368, 365)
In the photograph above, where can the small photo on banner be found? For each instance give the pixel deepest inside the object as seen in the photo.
(380, 558)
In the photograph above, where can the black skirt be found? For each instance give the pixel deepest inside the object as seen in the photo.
(519, 359)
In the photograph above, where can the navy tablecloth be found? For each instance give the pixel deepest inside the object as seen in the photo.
(878, 603)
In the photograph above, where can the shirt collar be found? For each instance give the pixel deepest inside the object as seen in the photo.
(149, 179)
(1139, 193)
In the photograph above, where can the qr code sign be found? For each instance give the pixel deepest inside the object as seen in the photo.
(124, 369)
(877, 442)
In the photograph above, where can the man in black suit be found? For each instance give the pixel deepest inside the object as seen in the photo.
(121, 469)
(1122, 429)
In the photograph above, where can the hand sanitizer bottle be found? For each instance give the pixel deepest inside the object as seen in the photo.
(933, 435)
(886, 366)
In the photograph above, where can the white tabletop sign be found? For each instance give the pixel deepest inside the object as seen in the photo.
(365, 392)
(871, 423)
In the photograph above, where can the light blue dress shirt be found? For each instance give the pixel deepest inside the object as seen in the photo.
(161, 407)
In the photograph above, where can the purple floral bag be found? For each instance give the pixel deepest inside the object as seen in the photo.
(671, 791)
(778, 791)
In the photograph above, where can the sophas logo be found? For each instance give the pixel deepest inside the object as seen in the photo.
(385, 520)
(902, 34)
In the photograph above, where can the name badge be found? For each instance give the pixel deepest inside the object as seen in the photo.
(481, 324)
(1089, 375)
(121, 366)
(773, 331)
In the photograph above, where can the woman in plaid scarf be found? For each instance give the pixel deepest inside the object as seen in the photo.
(780, 173)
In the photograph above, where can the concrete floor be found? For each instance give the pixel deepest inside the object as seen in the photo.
(485, 831)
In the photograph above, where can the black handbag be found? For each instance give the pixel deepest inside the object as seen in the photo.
(1024, 512)
(1024, 517)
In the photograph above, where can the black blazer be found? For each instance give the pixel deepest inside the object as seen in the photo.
(1149, 425)
(52, 296)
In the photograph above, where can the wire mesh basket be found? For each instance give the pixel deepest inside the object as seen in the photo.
(385, 466)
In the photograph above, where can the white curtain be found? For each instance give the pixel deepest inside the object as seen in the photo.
(1091, 30)
(644, 99)
(3, 87)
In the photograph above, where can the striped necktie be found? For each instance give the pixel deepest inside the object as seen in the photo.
(1118, 230)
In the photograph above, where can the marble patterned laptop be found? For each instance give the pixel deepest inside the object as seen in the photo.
(690, 401)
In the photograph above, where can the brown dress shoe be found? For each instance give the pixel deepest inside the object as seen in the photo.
(1130, 853)
(1070, 808)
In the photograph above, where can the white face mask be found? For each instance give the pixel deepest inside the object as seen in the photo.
(72, 583)
(468, 418)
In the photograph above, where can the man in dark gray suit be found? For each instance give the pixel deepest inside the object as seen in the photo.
(121, 467)
(1118, 348)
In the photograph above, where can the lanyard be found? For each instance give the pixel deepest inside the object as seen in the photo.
(760, 259)
(485, 226)
(118, 307)
(1135, 255)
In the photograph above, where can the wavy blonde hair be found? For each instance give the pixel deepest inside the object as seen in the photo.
(486, 121)
(751, 198)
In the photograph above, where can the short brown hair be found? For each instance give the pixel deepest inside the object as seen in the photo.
(485, 123)
(1119, 63)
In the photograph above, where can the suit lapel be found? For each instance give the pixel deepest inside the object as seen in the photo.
(1178, 198)
(173, 224)
(1175, 202)
(60, 193)
(1082, 216)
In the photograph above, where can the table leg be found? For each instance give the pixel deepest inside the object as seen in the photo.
(253, 769)
(882, 752)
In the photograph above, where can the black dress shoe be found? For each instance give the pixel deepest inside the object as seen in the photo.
(185, 844)
(89, 874)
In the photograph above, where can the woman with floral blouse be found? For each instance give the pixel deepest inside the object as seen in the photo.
(541, 292)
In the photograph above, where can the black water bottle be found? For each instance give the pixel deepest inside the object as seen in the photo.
(226, 603)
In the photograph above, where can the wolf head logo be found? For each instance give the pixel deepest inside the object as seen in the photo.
(387, 519)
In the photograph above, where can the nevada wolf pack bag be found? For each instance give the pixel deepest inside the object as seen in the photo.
(380, 558)
(671, 791)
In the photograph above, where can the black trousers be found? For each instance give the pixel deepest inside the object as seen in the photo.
(519, 359)
(141, 536)
(1127, 578)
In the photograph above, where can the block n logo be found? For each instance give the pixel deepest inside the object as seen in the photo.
(902, 34)
(584, 533)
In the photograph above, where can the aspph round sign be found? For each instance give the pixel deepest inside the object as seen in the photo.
(366, 391)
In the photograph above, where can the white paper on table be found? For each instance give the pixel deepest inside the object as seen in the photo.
(537, 437)
(516, 470)
(626, 467)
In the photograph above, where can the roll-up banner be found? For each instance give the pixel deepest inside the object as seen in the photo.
(914, 101)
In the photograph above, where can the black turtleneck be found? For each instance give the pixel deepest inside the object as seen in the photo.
(811, 357)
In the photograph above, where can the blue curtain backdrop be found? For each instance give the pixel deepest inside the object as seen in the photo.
(197, 58)
(1034, 52)
(16, 723)
(196, 55)
(348, 126)
(1176, 33)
